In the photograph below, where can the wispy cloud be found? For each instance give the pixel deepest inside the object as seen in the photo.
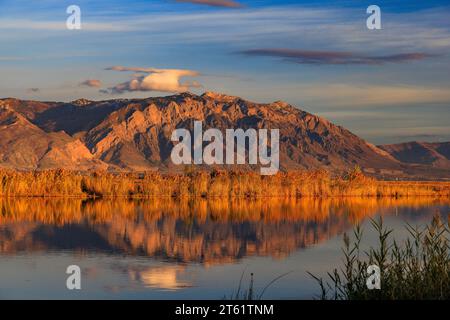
(25, 24)
(355, 95)
(163, 80)
(92, 83)
(215, 3)
(324, 28)
(5, 58)
(406, 134)
(334, 57)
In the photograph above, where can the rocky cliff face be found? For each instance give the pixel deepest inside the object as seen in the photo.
(25, 146)
(135, 134)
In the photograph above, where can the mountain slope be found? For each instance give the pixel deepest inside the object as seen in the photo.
(25, 146)
(434, 154)
(142, 129)
(134, 134)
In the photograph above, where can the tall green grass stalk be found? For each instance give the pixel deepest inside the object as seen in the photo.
(417, 269)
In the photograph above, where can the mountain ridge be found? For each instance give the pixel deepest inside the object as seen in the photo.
(436, 154)
(134, 134)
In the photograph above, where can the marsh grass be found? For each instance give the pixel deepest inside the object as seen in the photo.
(209, 184)
(417, 269)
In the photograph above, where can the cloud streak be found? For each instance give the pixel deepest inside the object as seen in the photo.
(356, 95)
(334, 57)
(152, 79)
(214, 3)
(92, 83)
(324, 28)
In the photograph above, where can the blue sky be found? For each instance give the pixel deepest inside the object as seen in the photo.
(385, 85)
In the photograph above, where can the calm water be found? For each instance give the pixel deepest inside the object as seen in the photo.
(168, 249)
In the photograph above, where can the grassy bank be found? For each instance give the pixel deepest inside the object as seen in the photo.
(61, 183)
(418, 268)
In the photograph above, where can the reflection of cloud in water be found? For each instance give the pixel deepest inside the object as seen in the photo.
(167, 277)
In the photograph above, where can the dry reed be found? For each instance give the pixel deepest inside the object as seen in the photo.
(227, 184)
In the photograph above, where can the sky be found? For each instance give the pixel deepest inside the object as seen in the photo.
(387, 86)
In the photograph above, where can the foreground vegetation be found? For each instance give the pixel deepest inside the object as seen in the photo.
(209, 184)
(418, 269)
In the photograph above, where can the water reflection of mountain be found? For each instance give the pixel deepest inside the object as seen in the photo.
(205, 231)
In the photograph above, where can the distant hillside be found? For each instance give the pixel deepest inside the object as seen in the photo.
(433, 154)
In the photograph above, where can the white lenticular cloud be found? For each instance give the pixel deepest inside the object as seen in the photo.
(152, 79)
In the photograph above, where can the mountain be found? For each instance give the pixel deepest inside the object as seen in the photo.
(433, 154)
(25, 146)
(134, 134)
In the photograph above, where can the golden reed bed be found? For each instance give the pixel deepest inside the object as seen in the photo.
(61, 183)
